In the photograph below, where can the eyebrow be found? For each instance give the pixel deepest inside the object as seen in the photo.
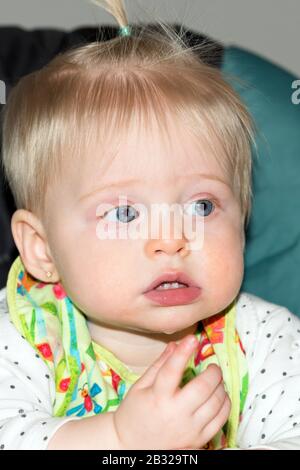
(136, 182)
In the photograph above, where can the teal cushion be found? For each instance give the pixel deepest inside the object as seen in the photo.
(272, 255)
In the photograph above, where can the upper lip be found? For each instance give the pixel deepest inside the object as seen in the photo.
(172, 277)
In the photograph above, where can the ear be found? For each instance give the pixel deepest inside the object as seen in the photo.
(30, 238)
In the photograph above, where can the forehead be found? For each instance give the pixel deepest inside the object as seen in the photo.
(148, 153)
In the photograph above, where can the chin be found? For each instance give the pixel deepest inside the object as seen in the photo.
(180, 329)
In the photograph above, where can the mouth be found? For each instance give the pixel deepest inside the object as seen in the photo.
(173, 289)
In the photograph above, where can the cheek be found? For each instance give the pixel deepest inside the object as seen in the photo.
(95, 273)
(224, 263)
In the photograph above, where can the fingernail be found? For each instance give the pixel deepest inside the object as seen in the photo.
(191, 341)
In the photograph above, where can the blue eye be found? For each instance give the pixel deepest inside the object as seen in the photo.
(204, 207)
(124, 214)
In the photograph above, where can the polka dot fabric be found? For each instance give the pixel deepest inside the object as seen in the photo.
(271, 338)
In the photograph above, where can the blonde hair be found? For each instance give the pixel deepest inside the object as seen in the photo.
(52, 114)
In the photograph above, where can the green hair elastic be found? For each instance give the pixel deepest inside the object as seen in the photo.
(125, 30)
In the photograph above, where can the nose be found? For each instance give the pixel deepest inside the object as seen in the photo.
(169, 246)
(167, 235)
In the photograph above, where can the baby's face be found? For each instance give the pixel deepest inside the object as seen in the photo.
(107, 278)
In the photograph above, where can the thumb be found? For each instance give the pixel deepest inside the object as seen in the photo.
(148, 377)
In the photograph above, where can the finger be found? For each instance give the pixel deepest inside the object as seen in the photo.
(170, 374)
(210, 409)
(196, 392)
(214, 426)
(148, 377)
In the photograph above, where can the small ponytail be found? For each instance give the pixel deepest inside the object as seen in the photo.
(117, 9)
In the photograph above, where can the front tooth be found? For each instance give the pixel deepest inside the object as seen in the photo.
(161, 287)
(170, 285)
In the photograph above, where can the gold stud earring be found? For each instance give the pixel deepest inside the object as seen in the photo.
(48, 274)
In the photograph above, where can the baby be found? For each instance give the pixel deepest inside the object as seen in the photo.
(105, 316)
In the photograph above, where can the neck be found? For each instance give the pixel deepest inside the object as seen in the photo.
(134, 349)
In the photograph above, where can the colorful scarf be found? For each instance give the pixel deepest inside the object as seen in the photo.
(88, 378)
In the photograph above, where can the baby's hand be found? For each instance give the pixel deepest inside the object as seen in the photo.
(157, 414)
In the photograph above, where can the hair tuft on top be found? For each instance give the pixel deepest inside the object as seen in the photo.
(116, 8)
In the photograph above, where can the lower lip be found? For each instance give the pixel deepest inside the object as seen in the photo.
(168, 297)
